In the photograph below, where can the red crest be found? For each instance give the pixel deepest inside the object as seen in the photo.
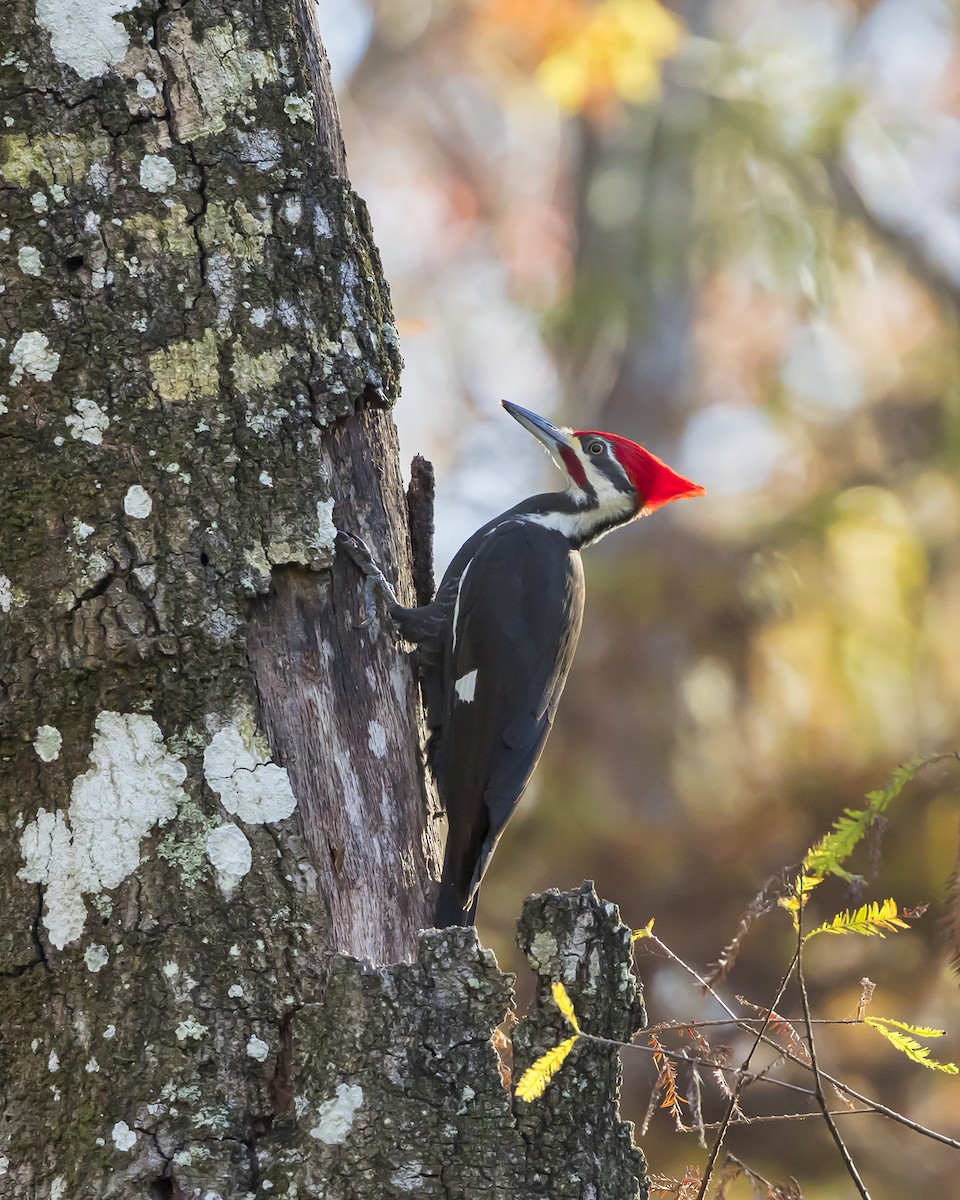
(656, 483)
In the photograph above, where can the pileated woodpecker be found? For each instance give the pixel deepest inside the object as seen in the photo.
(496, 643)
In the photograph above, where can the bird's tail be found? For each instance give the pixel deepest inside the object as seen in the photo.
(450, 910)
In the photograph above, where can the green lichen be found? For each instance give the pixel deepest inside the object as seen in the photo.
(164, 235)
(184, 847)
(258, 372)
(187, 370)
(57, 158)
(223, 71)
(234, 229)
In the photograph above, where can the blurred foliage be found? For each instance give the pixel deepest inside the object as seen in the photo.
(756, 271)
(586, 55)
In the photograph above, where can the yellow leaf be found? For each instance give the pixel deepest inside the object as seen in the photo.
(616, 51)
(565, 1004)
(534, 1080)
(803, 885)
(923, 1031)
(908, 1046)
(645, 932)
(870, 920)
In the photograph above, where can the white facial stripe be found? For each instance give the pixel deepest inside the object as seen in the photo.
(598, 478)
(466, 686)
(578, 525)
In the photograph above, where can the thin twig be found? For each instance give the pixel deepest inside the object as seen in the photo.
(745, 1023)
(734, 1099)
(814, 1066)
(686, 1057)
(835, 1112)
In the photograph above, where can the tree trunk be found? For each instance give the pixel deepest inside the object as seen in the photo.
(213, 786)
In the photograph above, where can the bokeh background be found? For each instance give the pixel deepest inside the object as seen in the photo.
(730, 230)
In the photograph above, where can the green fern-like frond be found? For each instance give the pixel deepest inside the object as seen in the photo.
(893, 1032)
(826, 856)
(534, 1080)
(870, 920)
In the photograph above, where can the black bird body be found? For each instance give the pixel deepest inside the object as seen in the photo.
(496, 644)
(505, 626)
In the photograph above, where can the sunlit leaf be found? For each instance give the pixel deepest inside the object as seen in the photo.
(797, 899)
(565, 1004)
(892, 1031)
(826, 856)
(924, 1031)
(870, 920)
(534, 1080)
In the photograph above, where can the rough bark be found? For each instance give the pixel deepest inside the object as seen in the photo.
(212, 780)
(417, 1105)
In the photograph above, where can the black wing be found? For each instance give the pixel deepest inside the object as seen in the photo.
(517, 620)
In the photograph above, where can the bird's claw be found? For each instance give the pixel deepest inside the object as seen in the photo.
(375, 583)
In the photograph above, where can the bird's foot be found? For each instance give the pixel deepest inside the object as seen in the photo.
(375, 582)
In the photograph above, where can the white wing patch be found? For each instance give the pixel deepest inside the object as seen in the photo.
(466, 686)
(456, 607)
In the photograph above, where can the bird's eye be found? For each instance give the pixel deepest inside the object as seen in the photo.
(595, 448)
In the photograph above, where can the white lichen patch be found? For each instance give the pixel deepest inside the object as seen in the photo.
(47, 743)
(86, 37)
(87, 421)
(124, 1138)
(326, 536)
(257, 1049)
(32, 355)
(96, 958)
(6, 594)
(190, 1030)
(335, 1117)
(229, 853)
(187, 369)
(137, 502)
(28, 260)
(298, 108)
(238, 769)
(81, 530)
(260, 147)
(91, 1066)
(157, 173)
(146, 88)
(133, 785)
(409, 1177)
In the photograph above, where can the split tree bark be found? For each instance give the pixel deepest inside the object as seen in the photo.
(212, 780)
